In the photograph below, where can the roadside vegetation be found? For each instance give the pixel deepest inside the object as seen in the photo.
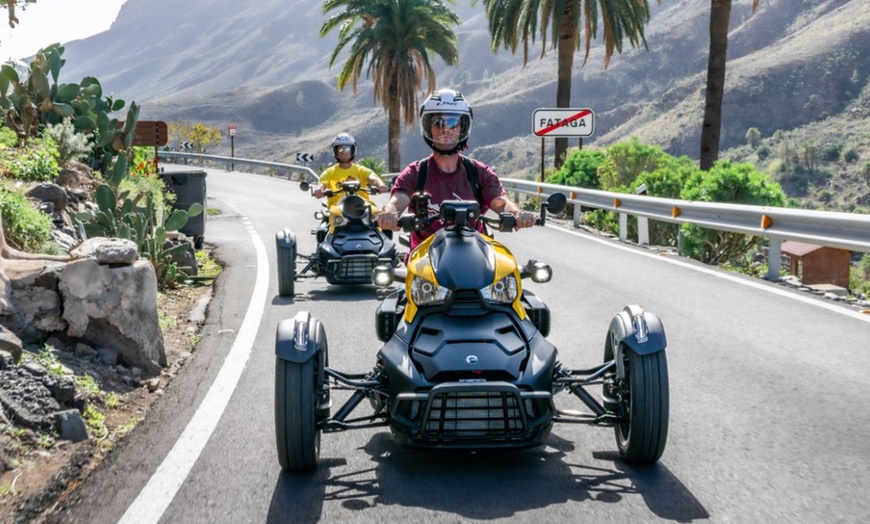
(625, 166)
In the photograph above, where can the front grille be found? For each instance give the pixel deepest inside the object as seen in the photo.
(474, 414)
(352, 269)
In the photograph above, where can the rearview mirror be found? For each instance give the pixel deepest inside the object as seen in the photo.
(304, 186)
(556, 203)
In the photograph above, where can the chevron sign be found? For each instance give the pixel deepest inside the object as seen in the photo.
(187, 145)
(304, 157)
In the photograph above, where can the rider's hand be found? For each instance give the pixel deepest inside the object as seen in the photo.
(525, 219)
(384, 189)
(318, 193)
(388, 220)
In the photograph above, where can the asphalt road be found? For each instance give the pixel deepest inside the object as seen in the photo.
(768, 388)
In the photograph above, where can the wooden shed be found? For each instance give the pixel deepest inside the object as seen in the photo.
(814, 264)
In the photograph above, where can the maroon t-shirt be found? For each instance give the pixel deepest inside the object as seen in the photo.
(447, 186)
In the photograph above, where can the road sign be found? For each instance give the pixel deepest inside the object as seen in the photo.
(231, 130)
(151, 133)
(304, 157)
(562, 122)
(187, 145)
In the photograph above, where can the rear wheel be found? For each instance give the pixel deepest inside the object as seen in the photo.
(295, 415)
(643, 402)
(286, 263)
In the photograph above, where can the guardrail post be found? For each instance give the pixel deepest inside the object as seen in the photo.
(623, 227)
(643, 231)
(774, 259)
(578, 215)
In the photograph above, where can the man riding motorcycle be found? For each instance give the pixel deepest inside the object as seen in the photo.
(445, 120)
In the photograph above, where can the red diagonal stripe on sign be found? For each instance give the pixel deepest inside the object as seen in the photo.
(561, 123)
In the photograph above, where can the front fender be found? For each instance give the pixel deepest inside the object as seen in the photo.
(640, 330)
(285, 239)
(298, 339)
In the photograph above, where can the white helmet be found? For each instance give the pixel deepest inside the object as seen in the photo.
(343, 139)
(446, 107)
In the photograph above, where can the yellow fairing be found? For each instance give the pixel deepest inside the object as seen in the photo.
(505, 264)
(419, 266)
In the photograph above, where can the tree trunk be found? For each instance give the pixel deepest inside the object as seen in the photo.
(720, 17)
(394, 129)
(566, 47)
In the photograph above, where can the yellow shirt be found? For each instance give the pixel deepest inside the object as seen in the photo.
(335, 175)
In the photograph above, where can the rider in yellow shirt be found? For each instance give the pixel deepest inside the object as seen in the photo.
(344, 149)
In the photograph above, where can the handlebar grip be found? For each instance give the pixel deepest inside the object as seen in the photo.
(507, 222)
(407, 223)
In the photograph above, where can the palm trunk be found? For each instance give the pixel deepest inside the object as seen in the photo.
(567, 45)
(394, 130)
(720, 17)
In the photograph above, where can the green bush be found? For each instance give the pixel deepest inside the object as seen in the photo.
(374, 164)
(763, 152)
(8, 137)
(726, 182)
(831, 152)
(37, 163)
(580, 169)
(850, 155)
(26, 227)
(627, 160)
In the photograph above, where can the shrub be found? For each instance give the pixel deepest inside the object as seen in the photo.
(26, 227)
(70, 145)
(763, 152)
(580, 169)
(374, 164)
(831, 152)
(627, 160)
(37, 163)
(850, 155)
(8, 137)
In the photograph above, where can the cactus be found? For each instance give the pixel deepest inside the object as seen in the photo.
(39, 100)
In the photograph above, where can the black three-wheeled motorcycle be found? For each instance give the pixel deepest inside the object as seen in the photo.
(349, 243)
(465, 362)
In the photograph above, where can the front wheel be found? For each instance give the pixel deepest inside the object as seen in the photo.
(644, 405)
(295, 416)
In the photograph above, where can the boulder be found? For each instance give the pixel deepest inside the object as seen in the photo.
(107, 250)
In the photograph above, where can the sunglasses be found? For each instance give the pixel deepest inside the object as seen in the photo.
(343, 149)
(448, 122)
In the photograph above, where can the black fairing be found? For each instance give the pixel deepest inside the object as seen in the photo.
(454, 252)
(504, 348)
(357, 240)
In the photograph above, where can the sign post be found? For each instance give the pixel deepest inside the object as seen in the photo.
(151, 133)
(559, 123)
(231, 130)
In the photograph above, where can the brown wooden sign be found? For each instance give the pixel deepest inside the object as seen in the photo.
(151, 133)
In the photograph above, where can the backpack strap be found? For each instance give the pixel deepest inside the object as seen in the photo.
(470, 172)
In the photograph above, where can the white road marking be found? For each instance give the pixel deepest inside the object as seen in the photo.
(722, 274)
(153, 500)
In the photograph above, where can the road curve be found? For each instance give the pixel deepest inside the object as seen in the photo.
(767, 401)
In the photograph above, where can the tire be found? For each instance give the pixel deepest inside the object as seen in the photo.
(642, 439)
(295, 416)
(286, 267)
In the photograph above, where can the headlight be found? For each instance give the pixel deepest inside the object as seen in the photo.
(504, 291)
(338, 220)
(382, 276)
(425, 293)
(541, 272)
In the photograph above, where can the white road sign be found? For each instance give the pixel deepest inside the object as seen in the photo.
(564, 122)
(304, 157)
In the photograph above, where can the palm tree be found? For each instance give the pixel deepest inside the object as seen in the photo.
(515, 21)
(397, 38)
(720, 17)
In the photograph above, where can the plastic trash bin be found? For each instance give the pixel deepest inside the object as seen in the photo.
(189, 188)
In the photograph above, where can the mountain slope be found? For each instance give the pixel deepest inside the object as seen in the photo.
(265, 69)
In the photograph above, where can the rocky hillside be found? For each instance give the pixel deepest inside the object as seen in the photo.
(794, 65)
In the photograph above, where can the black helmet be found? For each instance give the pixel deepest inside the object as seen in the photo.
(446, 107)
(343, 139)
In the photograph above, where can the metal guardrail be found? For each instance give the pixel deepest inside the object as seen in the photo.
(850, 231)
(230, 163)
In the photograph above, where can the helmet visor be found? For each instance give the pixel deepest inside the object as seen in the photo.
(446, 128)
